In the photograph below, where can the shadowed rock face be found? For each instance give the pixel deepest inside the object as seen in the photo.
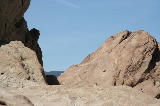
(52, 80)
(123, 59)
(14, 27)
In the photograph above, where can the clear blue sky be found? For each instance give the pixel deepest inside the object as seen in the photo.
(72, 29)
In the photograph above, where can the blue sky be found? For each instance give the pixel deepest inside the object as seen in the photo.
(72, 29)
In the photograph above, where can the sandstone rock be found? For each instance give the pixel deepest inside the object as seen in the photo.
(151, 85)
(20, 62)
(14, 27)
(123, 59)
(11, 99)
(148, 87)
(15, 83)
(87, 94)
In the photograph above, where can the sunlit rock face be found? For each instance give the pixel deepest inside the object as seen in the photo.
(19, 62)
(121, 72)
(125, 58)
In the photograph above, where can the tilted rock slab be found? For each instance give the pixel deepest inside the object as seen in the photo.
(14, 27)
(125, 58)
(19, 62)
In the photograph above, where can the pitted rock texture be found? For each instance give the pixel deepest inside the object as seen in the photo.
(123, 59)
(8, 98)
(20, 62)
(14, 27)
(87, 94)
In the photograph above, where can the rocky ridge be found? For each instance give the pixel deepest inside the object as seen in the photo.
(124, 71)
(125, 58)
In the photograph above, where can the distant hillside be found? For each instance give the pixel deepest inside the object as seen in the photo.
(56, 73)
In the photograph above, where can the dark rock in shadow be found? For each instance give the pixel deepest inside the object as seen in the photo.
(3, 42)
(52, 80)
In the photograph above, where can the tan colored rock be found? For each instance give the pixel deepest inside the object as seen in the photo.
(149, 88)
(87, 94)
(151, 85)
(8, 98)
(14, 27)
(123, 59)
(20, 62)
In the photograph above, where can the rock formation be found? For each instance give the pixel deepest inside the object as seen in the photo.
(14, 27)
(123, 59)
(22, 77)
(123, 71)
(20, 62)
(19, 68)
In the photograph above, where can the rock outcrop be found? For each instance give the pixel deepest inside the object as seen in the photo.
(14, 27)
(119, 73)
(20, 62)
(126, 58)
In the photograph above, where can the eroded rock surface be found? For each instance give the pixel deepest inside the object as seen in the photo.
(123, 59)
(20, 62)
(14, 27)
(8, 98)
(87, 94)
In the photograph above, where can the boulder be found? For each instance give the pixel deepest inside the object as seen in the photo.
(14, 27)
(20, 62)
(125, 58)
(8, 98)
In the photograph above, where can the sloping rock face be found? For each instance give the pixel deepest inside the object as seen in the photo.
(123, 59)
(14, 27)
(20, 62)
